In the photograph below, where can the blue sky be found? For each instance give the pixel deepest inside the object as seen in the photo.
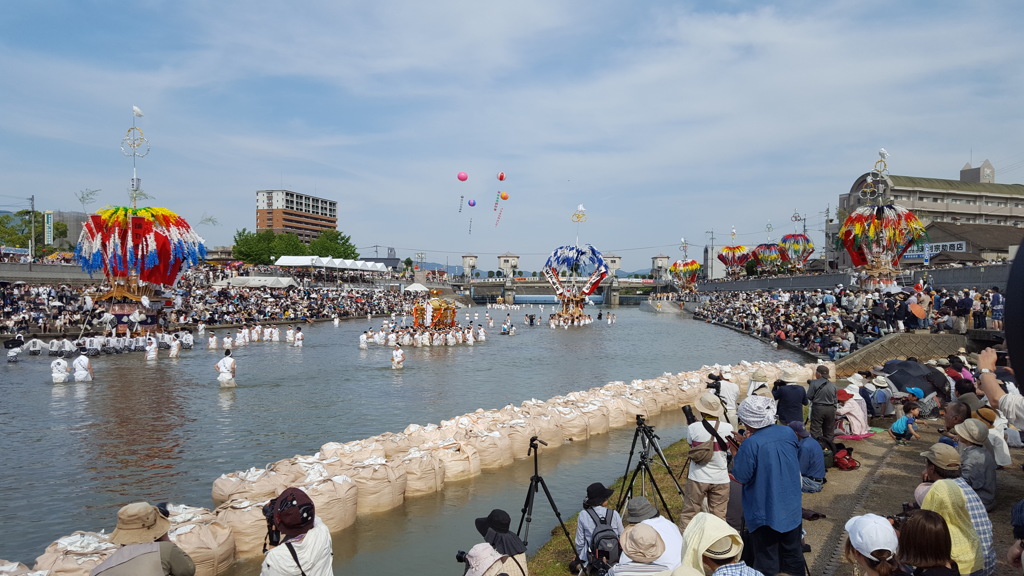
(664, 119)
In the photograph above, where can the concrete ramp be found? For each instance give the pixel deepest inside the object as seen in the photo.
(892, 346)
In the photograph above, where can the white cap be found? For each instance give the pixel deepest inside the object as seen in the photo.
(871, 532)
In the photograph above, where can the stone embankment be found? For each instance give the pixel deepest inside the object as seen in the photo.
(377, 474)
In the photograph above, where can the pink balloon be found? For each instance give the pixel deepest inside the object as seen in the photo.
(472, 202)
(463, 176)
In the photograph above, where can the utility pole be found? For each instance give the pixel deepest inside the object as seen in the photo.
(709, 257)
(32, 235)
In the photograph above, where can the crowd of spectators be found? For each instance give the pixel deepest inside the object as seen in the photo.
(63, 309)
(836, 322)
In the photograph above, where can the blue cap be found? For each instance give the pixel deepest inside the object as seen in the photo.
(916, 392)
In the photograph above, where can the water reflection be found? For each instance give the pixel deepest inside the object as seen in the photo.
(165, 430)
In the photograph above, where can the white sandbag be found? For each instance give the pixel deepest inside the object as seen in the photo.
(573, 424)
(247, 524)
(335, 500)
(424, 472)
(252, 484)
(197, 532)
(622, 411)
(305, 470)
(381, 486)
(519, 432)
(460, 460)
(357, 451)
(394, 444)
(8, 568)
(75, 555)
(494, 449)
(596, 414)
(549, 429)
(420, 435)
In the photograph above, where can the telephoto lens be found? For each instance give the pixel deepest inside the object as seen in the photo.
(460, 556)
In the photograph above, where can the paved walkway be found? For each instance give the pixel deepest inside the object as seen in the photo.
(886, 479)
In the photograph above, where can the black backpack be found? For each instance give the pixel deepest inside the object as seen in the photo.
(604, 550)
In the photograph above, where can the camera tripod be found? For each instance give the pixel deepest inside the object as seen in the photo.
(648, 439)
(536, 482)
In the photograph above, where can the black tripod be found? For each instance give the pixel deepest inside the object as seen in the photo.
(648, 439)
(537, 482)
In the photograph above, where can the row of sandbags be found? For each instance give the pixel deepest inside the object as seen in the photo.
(377, 474)
(209, 542)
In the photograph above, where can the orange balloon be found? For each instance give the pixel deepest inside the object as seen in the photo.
(504, 195)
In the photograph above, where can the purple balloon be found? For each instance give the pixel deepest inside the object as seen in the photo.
(472, 202)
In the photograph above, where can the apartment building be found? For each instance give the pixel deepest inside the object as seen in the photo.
(300, 214)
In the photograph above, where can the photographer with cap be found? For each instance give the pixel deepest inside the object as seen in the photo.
(791, 397)
(306, 548)
(768, 467)
(502, 551)
(145, 548)
(639, 510)
(708, 478)
(594, 505)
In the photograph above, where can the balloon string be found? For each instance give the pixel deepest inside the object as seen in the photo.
(499, 217)
(460, 203)
(470, 225)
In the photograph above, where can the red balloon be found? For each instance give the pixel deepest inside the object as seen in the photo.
(501, 176)
(463, 176)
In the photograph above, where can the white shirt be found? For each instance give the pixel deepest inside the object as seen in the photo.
(729, 393)
(226, 364)
(59, 366)
(716, 470)
(313, 551)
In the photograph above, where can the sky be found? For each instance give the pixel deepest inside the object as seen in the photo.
(665, 120)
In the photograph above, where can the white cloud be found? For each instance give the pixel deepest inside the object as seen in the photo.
(666, 121)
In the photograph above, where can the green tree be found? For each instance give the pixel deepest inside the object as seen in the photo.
(408, 264)
(15, 230)
(288, 244)
(490, 273)
(253, 247)
(334, 244)
(86, 197)
(477, 274)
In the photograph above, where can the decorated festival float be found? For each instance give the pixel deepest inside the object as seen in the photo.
(684, 274)
(768, 257)
(141, 251)
(436, 313)
(575, 273)
(877, 235)
(797, 249)
(735, 258)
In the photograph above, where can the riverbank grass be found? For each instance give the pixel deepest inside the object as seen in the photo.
(553, 558)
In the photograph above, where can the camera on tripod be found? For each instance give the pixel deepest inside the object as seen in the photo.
(715, 382)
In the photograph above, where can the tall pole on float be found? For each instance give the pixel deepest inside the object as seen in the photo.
(135, 145)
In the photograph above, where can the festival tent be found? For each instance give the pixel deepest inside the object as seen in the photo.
(327, 262)
(416, 287)
(256, 281)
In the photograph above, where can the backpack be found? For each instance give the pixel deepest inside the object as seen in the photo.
(844, 460)
(604, 549)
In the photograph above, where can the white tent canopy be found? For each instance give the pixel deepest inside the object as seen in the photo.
(256, 281)
(327, 262)
(416, 287)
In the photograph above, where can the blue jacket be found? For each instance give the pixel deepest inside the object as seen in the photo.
(767, 466)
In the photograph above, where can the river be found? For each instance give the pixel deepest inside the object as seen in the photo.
(163, 431)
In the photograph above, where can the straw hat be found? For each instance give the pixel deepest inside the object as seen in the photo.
(642, 543)
(724, 548)
(138, 523)
(793, 377)
(709, 404)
